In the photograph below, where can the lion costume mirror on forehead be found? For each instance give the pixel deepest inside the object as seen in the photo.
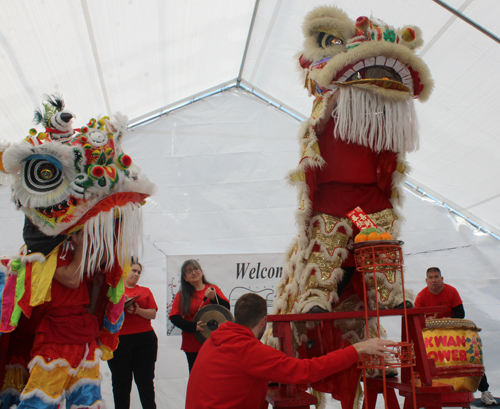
(67, 181)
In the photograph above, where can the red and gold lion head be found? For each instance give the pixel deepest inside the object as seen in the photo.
(366, 53)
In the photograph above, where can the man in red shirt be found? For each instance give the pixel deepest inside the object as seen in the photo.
(438, 293)
(233, 368)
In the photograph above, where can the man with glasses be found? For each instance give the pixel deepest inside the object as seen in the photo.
(233, 367)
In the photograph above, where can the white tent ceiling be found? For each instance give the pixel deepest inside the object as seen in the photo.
(141, 57)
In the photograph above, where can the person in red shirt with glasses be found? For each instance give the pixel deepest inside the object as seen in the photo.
(195, 293)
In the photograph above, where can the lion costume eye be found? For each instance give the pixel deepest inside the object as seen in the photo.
(42, 174)
(326, 40)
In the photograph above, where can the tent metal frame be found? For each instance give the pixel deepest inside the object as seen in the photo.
(468, 20)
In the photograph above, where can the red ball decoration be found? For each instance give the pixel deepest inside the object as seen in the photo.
(124, 161)
(96, 172)
(362, 23)
(408, 35)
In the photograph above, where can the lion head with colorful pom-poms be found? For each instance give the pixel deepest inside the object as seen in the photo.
(366, 53)
(376, 71)
(67, 179)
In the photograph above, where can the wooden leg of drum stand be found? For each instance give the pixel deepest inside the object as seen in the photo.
(372, 392)
(392, 400)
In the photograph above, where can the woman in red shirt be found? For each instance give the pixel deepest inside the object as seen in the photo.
(138, 347)
(195, 292)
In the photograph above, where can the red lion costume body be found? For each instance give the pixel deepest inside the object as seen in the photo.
(364, 76)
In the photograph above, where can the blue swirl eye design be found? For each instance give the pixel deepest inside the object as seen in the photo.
(42, 173)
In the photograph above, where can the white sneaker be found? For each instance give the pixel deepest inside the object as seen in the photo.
(487, 398)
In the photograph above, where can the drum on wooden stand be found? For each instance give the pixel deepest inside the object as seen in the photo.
(455, 346)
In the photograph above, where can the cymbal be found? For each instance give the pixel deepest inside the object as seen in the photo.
(212, 316)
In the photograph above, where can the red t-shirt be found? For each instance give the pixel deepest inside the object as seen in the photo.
(189, 341)
(134, 323)
(449, 297)
(62, 296)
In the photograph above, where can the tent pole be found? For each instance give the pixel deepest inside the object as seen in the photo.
(249, 36)
(468, 20)
(477, 226)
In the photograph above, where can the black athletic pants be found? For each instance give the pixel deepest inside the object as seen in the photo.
(135, 355)
(191, 357)
(483, 385)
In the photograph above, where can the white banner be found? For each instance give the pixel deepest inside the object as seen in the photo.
(234, 274)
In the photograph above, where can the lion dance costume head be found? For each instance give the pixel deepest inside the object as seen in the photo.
(67, 180)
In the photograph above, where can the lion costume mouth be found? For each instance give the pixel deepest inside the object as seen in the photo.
(380, 71)
(115, 202)
(380, 76)
(375, 72)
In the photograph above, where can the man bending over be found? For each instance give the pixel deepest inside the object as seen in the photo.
(233, 367)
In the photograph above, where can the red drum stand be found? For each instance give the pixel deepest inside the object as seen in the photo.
(409, 355)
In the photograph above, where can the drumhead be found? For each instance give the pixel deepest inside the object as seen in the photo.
(450, 323)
